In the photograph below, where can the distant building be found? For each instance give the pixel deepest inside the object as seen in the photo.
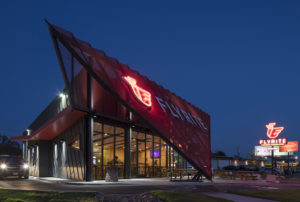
(218, 162)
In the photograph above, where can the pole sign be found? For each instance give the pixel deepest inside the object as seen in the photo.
(291, 146)
(273, 132)
(266, 151)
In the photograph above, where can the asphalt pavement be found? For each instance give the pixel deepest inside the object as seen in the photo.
(40, 185)
(136, 186)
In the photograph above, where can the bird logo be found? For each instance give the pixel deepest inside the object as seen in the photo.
(272, 131)
(142, 95)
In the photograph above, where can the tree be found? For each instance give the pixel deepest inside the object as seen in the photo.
(9, 147)
(219, 153)
(4, 139)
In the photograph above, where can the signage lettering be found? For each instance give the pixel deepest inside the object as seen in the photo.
(180, 113)
(273, 142)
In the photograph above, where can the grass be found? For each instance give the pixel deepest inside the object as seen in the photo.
(26, 196)
(171, 196)
(291, 195)
(293, 178)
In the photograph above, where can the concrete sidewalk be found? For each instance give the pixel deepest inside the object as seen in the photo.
(236, 198)
(129, 182)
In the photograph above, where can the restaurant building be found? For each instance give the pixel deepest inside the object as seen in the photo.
(110, 115)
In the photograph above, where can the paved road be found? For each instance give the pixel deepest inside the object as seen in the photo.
(135, 186)
(39, 185)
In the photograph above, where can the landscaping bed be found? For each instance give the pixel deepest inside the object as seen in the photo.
(171, 196)
(291, 195)
(30, 196)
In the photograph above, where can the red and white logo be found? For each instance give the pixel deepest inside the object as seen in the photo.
(142, 95)
(272, 131)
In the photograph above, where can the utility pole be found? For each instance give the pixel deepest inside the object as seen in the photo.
(272, 160)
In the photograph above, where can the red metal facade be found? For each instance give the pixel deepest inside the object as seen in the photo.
(181, 124)
(54, 126)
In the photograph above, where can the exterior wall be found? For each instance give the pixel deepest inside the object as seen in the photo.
(33, 158)
(57, 158)
(55, 107)
(69, 162)
(44, 158)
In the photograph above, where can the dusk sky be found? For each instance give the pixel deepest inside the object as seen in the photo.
(236, 60)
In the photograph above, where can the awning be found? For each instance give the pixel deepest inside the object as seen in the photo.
(54, 126)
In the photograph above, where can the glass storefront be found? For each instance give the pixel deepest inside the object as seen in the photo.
(150, 155)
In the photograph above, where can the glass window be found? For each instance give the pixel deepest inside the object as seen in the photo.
(119, 150)
(140, 142)
(134, 154)
(108, 149)
(157, 157)
(75, 143)
(97, 151)
(149, 156)
(164, 158)
(172, 159)
(108, 145)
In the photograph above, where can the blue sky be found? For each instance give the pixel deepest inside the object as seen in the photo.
(236, 60)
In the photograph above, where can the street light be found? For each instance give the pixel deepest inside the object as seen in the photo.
(62, 95)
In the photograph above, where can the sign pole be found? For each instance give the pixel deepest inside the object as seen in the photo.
(272, 159)
(288, 163)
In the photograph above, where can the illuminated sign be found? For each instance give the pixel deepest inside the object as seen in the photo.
(180, 113)
(291, 146)
(142, 95)
(273, 142)
(272, 131)
(262, 151)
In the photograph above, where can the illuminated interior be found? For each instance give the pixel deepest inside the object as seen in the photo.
(150, 155)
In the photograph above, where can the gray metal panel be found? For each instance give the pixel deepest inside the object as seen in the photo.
(56, 106)
(74, 167)
(45, 158)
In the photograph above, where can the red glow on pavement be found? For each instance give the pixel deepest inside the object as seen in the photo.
(142, 95)
(272, 131)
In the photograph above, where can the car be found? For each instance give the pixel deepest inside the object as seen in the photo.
(243, 168)
(297, 170)
(13, 166)
(230, 167)
(268, 170)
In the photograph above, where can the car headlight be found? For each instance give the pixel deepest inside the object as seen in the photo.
(3, 166)
(25, 166)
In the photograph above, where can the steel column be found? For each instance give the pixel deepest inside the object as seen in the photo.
(89, 134)
(127, 142)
